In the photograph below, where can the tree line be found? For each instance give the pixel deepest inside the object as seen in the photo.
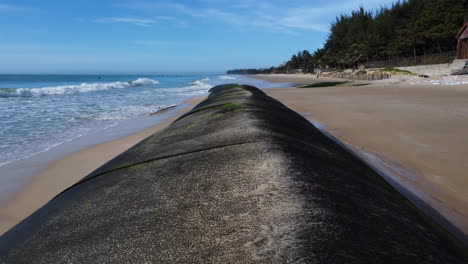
(407, 28)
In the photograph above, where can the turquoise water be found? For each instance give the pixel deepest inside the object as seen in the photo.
(39, 112)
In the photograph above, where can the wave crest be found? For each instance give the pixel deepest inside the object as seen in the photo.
(225, 77)
(200, 84)
(72, 89)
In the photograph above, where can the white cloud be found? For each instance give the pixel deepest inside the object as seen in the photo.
(135, 21)
(269, 15)
(156, 7)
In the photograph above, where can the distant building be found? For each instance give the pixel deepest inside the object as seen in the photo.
(462, 48)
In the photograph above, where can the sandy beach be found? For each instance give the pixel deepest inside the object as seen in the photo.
(416, 134)
(65, 172)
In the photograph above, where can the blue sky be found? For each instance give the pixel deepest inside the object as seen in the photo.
(51, 36)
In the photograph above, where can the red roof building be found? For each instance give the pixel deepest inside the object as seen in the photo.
(462, 48)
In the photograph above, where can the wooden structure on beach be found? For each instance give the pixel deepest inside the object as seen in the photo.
(360, 77)
(462, 36)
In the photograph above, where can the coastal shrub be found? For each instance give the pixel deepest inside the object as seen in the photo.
(405, 29)
(321, 84)
(395, 71)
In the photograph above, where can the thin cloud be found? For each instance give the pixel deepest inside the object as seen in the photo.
(264, 15)
(135, 21)
(156, 6)
(225, 16)
(9, 7)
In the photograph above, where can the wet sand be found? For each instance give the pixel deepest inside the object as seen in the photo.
(298, 79)
(416, 134)
(65, 172)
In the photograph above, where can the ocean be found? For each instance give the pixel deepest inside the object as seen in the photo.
(40, 112)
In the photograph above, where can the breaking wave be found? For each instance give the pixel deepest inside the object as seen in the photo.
(224, 77)
(72, 89)
(200, 84)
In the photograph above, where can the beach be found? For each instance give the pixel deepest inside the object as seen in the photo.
(58, 128)
(239, 179)
(414, 134)
(65, 172)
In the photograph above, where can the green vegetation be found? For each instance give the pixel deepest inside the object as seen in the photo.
(142, 165)
(321, 84)
(230, 105)
(361, 72)
(395, 71)
(121, 165)
(222, 106)
(407, 28)
(230, 94)
(214, 115)
(226, 108)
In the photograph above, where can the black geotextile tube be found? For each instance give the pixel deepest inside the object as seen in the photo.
(240, 178)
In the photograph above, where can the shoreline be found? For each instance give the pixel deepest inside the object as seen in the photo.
(242, 178)
(18, 198)
(49, 181)
(435, 200)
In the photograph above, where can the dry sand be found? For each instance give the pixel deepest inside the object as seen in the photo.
(418, 134)
(63, 173)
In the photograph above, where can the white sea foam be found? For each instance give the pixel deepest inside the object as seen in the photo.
(200, 84)
(144, 82)
(16, 155)
(224, 77)
(33, 120)
(196, 88)
(71, 89)
(128, 112)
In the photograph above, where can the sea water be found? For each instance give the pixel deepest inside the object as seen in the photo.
(40, 112)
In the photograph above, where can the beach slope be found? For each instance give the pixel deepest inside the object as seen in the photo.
(240, 178)
(413, 131)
